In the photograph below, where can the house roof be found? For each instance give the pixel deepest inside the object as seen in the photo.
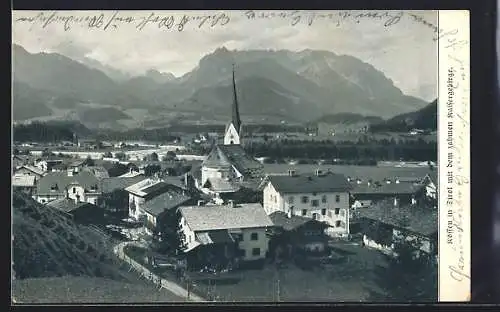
(386, 188)
(33, 169)
(417, 219)
(111, 184)
(148, 187)
(67, 205)
(23, 181)
(215, 217)
(280, 219)
(214, 237)
(165, 201)
(310, 183)
(62, 180)
(365, 173)
(239, 158)
(433, 175)
(131, 174)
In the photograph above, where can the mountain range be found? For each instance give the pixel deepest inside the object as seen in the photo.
(272, 86)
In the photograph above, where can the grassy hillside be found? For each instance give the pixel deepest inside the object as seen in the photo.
(56, 260)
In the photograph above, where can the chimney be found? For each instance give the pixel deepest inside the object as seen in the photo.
(397, 181)
(396, 202)
(201, 203)
(319, 172)
(70, 172)
(289, 213)
(291, 172)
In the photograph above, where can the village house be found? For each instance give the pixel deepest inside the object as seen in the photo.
(81, 212)
(384, 226)
(99, 171)
(293, 233)
(320, 196)
(223, 234)
(25, 184)
(431, 185)
(79, 186)
(46, 165)
(142, 192)
(19, 161)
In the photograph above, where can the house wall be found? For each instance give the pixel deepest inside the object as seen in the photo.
(430, 190)
(248, 245)
(43, 199)
(189, 237)
(24, 171)
(208, 173)
(274, 201)
(138, 202)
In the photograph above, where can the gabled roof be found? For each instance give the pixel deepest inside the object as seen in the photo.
(214, 237)
(310, 183)
(216, 159)
(33, 169)
(418, 219)
(99, 171)
(149, 188)
(207, 218)
(433, 176)
(61, 179)
(280, 219)
(166, 201)
(239, 158)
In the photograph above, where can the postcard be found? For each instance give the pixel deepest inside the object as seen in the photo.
(240, 156)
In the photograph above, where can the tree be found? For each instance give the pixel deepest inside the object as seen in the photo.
(169, 156)
(153, 156)
(406, 278)
(121, 156)
(117, 170)
(116, 201)
(108, 155)
(150, 170)
(89, 161)
(169, 238)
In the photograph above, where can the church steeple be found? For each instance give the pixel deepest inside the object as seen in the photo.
(236, 112)
(233, 129)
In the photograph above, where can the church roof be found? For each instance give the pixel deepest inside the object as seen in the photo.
(238, 157)
(216, 159)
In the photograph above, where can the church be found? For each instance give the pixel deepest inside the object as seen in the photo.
(228, 167)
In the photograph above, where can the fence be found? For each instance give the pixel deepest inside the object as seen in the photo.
(158, 281)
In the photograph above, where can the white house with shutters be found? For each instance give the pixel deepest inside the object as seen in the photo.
(323, 197)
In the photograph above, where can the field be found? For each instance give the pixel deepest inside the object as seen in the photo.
(72, 289)
(347, 281)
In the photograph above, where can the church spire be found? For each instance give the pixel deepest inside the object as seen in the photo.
(236, 113)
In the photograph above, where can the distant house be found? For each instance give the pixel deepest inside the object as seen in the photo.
(81, 212)
(295, 233)
(48, 164)
(30, 171)
(25, 184)
(225, 234)
(79, 186)
(19, 160)
(320, 196)
(142, 192)
(384, 225)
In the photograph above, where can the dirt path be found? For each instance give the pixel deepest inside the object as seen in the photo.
(168, 285)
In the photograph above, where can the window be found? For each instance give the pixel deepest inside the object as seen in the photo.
(337, 198)
(315, 216)
(290, 199)
(254, 236)
(337, 223)
(304, 199)
(323, 199)
(337, 210)
(190, 238)
(275, 199)
(315, 203)
(74, 190)
(329, 214)
(255, 251)
(323, 212)
(304, 212)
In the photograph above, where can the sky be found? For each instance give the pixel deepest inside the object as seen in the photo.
(402, 48)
